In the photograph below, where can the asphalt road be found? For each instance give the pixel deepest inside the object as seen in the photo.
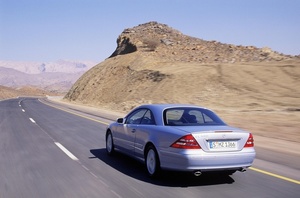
(60, 152)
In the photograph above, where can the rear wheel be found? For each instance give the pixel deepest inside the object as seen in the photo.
(152, 161)
(109, 143)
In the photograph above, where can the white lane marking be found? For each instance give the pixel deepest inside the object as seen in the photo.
(68, 153)
(32, 120)
(23, 110)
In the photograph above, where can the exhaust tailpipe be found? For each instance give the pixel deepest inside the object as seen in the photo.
(242, 170)
(197, 173)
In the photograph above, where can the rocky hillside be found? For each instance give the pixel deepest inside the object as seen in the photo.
(154, 63)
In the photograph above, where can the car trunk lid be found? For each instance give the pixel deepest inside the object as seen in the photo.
(221, 140)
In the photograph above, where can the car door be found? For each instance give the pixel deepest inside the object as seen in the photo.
(143, 132)
(130, 128)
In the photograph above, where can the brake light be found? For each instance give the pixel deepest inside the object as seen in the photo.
(250, 141)
(186, 142)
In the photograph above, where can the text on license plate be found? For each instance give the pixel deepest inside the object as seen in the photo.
(222, 144)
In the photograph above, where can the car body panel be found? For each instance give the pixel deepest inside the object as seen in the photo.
(200, 160)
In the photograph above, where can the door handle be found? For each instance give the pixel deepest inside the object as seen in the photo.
(133, 130)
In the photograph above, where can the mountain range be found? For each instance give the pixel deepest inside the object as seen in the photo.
(56, 76)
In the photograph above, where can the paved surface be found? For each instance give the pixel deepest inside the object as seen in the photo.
(60, 152)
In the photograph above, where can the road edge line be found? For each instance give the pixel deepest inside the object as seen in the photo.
(275, 175)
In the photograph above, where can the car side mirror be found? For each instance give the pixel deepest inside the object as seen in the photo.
(120, 120)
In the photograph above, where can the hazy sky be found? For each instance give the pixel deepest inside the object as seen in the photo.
(48, 30)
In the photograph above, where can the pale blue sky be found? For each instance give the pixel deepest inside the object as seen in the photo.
(48, 30)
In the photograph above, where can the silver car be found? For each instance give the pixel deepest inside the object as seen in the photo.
(180, 138)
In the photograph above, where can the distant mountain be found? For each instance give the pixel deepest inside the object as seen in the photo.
(56, 76)
(63, 66)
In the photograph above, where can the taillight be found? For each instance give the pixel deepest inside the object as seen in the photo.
(186, 142)
(250, 141)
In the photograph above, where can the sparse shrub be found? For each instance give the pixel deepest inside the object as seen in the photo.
(151, 44)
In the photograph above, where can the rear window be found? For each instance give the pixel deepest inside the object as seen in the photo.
(190, 117)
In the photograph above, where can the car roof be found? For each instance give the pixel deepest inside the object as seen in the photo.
(165, 106)
(157, 109)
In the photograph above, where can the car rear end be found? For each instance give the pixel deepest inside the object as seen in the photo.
(211, 149)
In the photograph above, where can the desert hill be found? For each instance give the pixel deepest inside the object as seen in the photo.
(8, 92)
(153, 63)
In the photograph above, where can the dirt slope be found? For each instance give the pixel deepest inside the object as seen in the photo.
(8, 92)
(252, 88)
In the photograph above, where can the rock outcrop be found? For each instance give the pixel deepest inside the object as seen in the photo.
(164, 41)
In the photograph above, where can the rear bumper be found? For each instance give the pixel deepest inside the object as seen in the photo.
(192, 160)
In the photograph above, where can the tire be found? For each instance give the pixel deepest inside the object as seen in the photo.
(110, 148)
(152, 161)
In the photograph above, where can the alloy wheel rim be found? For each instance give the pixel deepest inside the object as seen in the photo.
(151, 161)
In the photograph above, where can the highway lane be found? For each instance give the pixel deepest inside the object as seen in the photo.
(32, 165)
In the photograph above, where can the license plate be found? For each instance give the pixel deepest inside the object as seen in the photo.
(222, 144)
